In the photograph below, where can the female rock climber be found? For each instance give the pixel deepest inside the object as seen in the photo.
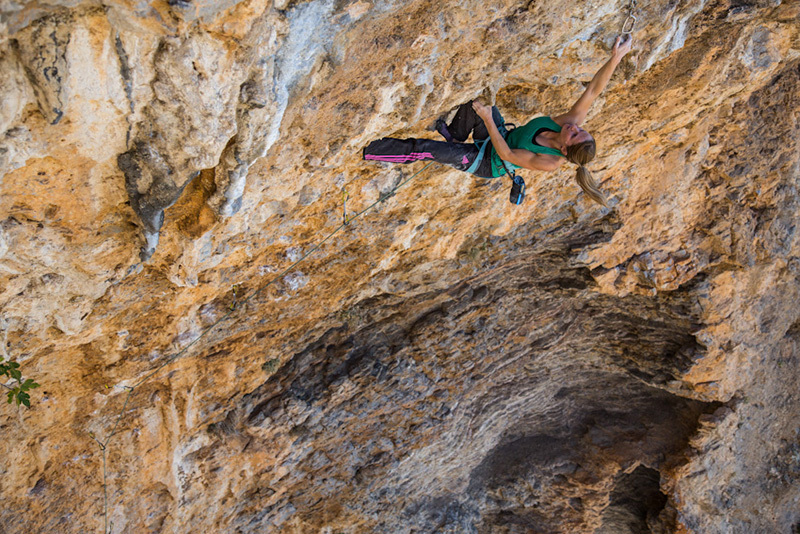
(540, 145)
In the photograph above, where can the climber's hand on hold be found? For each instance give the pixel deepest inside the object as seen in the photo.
(622, 46)
(577, 113)
(483, 111)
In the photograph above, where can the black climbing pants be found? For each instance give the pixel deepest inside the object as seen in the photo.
(466, 122)
(458, 155)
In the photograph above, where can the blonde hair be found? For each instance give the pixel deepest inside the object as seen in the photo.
(580, 154)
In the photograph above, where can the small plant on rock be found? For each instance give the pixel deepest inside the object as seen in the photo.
(271, 365)
(20, 391)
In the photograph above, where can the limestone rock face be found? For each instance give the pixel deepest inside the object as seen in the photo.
(446, 362)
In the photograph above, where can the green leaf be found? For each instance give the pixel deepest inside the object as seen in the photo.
(17, 393)
(29, 384)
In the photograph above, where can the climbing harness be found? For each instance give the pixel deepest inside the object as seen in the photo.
(481, 152)
(630, 21)
(482, 146)
(517, 183)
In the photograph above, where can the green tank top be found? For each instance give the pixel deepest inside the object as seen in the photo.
(522, 137)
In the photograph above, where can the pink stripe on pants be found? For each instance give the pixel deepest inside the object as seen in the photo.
(414, 156)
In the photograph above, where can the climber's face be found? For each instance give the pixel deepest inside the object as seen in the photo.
(572, 134)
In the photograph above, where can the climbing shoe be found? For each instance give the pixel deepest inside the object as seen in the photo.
(441, 127)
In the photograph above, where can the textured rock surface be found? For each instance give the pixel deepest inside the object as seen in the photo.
(445, 363)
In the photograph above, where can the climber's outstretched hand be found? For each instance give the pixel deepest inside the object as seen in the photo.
(577, 114)
(622, 46)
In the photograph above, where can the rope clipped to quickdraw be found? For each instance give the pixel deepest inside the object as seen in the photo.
(630, 21)
(629, 66)
(233, 304)
(345, 196)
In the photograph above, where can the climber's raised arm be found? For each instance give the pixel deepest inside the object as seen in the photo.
(577, 114)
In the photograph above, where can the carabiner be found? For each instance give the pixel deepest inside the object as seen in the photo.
(632, 21)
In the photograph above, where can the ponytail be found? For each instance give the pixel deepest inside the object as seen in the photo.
(589, 186)
(581, 154)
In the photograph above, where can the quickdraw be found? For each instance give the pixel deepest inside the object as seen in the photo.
(630, 21)
(344, 201)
